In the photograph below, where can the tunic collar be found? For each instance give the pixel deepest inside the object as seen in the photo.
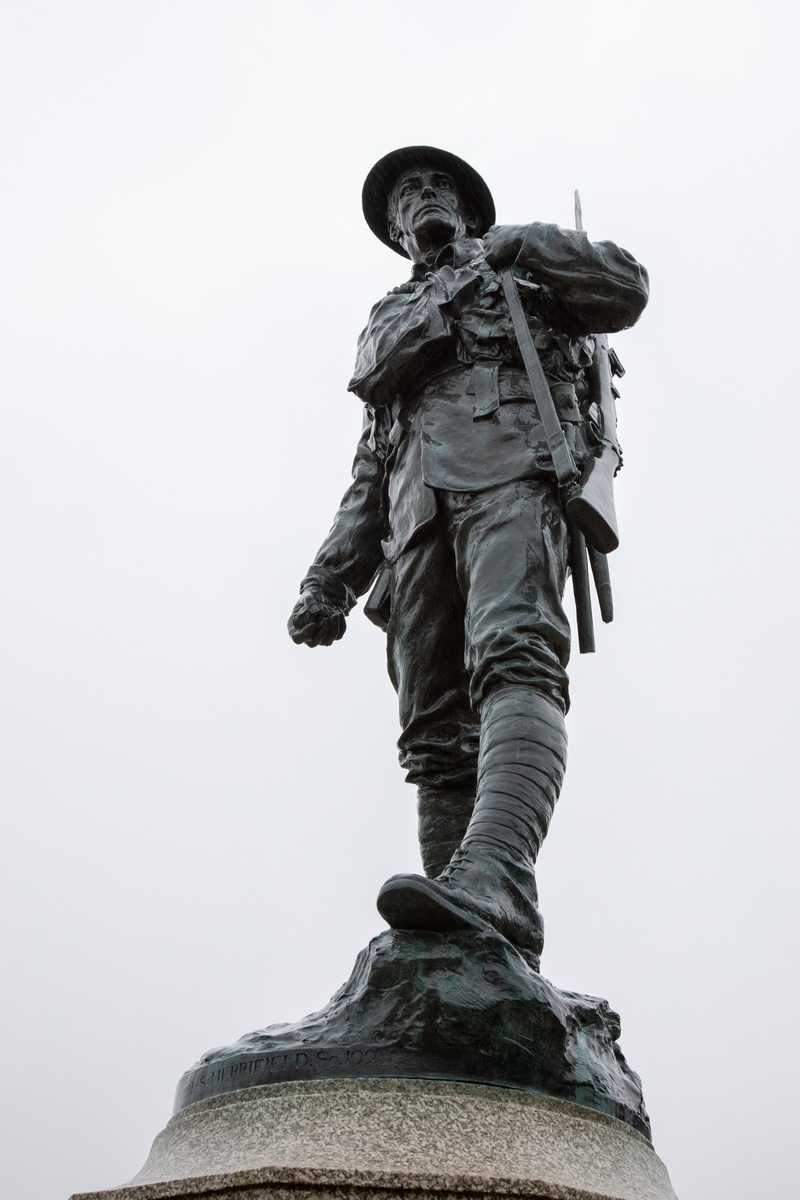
(455, 254)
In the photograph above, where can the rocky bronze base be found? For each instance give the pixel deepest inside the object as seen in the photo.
(441, 1006)
(394, 1139)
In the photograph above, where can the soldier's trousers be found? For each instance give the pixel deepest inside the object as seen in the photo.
(476, 603)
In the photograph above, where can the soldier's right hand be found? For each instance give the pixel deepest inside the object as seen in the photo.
(315, 621)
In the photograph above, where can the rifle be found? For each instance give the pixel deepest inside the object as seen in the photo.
(563, 462)
(598, 476)
(588, 499)
(593, 509)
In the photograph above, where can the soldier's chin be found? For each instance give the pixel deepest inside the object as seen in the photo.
(438, 225)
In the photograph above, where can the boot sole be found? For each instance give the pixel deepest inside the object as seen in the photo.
(414, 904)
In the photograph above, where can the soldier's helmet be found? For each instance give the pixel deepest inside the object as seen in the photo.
(384, 175)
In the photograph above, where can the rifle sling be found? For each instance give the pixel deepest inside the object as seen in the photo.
(563, 462)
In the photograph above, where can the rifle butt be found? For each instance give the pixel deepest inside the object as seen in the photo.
(592, 507)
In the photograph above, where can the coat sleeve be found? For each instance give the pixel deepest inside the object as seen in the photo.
(601, 288)
(351, 554)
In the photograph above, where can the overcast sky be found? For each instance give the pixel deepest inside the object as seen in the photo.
(197, 813)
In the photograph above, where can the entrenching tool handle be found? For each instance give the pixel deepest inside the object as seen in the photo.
(602, 583)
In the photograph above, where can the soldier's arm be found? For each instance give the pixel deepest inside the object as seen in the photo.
(347, 560)
(601, 287)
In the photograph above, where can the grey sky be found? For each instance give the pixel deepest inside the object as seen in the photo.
(198, 814)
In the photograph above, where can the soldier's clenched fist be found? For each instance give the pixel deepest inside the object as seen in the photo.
(315, 621)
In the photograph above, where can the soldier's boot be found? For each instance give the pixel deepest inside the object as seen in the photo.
(444, 814)
(490, 883)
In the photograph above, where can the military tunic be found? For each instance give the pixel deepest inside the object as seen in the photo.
(453, 485)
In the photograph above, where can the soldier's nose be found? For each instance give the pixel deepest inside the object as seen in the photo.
(428, 190)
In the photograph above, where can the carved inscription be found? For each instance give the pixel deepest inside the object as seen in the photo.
(248, 1071)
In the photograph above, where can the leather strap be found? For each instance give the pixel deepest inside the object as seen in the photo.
(563, 462)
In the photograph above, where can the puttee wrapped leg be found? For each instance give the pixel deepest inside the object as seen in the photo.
(490, 882)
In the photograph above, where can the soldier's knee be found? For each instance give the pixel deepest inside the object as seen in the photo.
(528, 663)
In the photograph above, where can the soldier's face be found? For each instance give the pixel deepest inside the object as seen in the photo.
(427, 208)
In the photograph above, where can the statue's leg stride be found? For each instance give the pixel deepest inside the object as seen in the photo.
(516, 646)
(490, 882)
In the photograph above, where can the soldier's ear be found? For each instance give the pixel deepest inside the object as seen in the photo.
(394, 231)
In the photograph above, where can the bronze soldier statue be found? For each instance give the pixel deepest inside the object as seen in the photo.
(486, 459)
(455, 504)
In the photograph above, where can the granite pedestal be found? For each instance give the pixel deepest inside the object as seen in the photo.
(353, 1139)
